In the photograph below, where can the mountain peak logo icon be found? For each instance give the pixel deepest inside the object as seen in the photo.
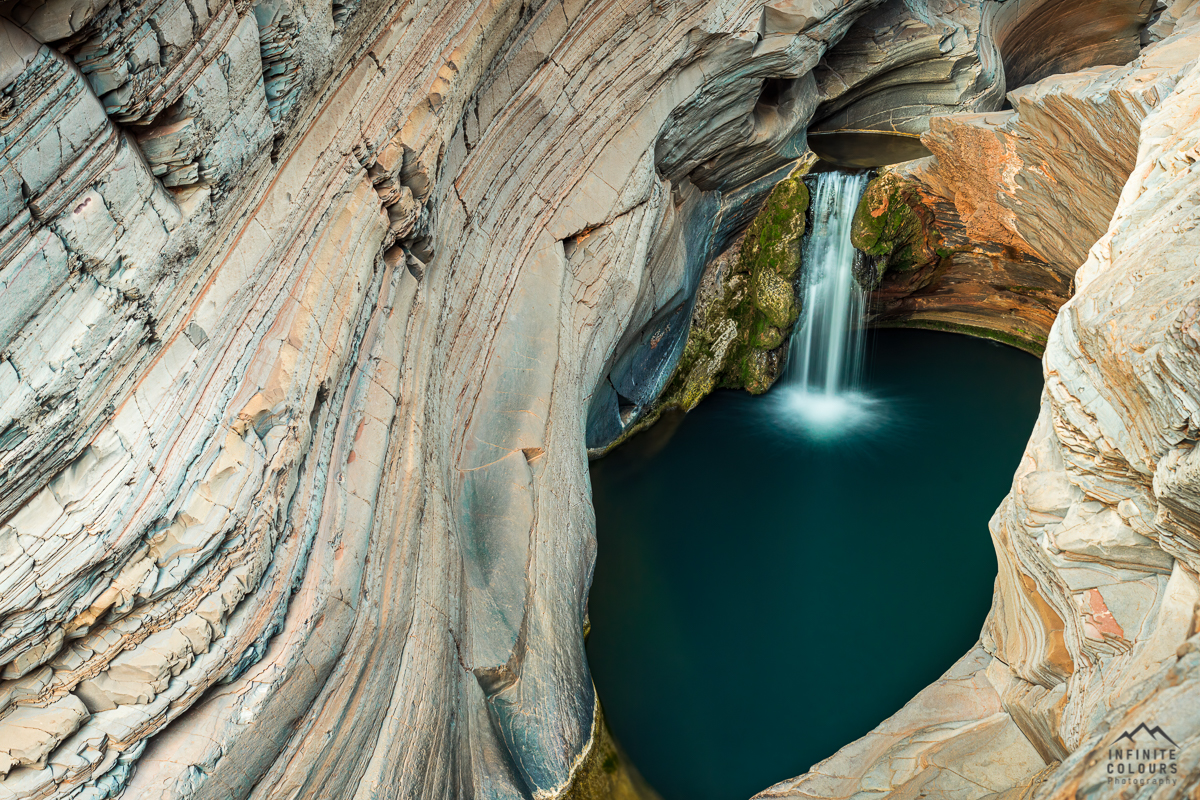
(1154, 732)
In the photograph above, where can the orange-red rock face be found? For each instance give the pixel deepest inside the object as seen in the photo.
(1090, 650)
(1017, 198)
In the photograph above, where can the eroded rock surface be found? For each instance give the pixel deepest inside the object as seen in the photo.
(745, 305)
(312, 308)
(306, 304)
(986, 236)
(909, 61)
(1093, 627)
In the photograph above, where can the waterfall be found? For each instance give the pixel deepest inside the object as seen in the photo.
(824, 367)
(825, 356)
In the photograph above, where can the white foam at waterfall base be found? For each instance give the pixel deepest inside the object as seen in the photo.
(825, 417)
(821, 394)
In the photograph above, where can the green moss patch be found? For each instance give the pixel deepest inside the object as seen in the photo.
(746, 306)
(770, 258)
(893, 226)
(773, 241)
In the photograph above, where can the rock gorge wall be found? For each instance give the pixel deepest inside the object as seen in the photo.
(987, 235)
(911, 58)
(305, 305)
(1094, 624)
(311, 309)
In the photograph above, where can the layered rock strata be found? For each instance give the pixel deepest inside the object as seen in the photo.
(1039, 38)
(898, 67)
(744, 305)
(305, 304)
(1091, 648)
(955, 249)
(891, 70)
(986, 236)
(935, 47)
(311, 309)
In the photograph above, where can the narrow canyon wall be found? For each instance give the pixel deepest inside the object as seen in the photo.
(986, 236)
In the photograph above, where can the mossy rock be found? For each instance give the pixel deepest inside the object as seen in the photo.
(1029, 341)
(774, 238)
(746, 305)
(774, 298)
(700, 377)
(770, 258)
(605, 772)
(768, 338)
(756, 371)
(892, 225)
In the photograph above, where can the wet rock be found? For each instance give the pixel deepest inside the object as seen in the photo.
(894, 227)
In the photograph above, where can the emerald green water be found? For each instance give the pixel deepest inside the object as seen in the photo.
(764, 594)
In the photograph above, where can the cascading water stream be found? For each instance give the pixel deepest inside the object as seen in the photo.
(825, 356)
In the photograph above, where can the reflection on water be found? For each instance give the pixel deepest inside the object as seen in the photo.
(778, 576)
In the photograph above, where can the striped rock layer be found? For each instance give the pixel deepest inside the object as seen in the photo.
(310, 309)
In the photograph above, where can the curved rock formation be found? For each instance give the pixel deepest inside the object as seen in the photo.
(305, 306)
(1039, 38)
(1093, 628)
(897, 67)
(311, 309)
(1005, 212)
(743, 306)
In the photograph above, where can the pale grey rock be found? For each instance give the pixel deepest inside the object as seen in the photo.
(292, 431)
(31, 733)
(907, 62)
(952, 740)
(292, 453)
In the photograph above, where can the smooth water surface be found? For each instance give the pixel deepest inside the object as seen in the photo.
(765, 594)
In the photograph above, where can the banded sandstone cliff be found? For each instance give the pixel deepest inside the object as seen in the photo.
(312, 309)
